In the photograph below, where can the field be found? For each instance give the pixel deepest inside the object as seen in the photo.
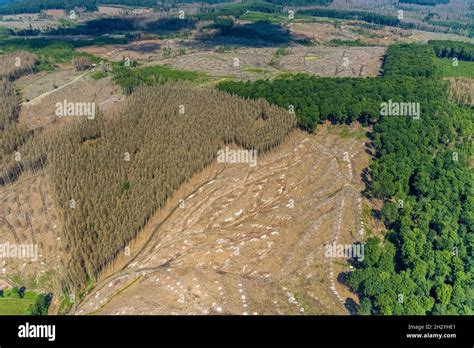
(43, 90)
(249, 240)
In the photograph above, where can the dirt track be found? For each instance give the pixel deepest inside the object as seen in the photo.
(249, 240)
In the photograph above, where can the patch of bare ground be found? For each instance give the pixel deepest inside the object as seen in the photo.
(28, 216)
(249, 240)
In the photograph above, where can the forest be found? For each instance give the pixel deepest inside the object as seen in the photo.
(421, 171)
(125, 25)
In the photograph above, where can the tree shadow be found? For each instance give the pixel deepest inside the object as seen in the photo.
(351, 306)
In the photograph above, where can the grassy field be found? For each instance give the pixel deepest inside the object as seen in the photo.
(13, 305)
(464, 68)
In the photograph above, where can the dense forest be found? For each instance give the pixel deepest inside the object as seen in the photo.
(125, 25)
(12, 136)
(410, 60)
(425, 2)
(421, 171)
(300, 2)
(14, 65)
(129, 79)
(315, 99)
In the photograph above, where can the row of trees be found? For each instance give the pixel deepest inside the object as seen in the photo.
(238, 9)
(82, 63)
(420, 170)
(300, 2)
(110, 174)
(41, 304)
